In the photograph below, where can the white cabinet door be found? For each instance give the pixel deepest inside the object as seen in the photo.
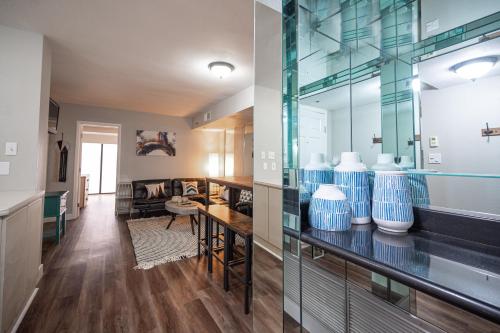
(260, 211)
(15, 282)
(275, 217)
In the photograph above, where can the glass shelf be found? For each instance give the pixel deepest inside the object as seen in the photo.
(455, 174)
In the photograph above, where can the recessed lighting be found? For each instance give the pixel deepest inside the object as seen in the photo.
(474, 68)
(220, 69)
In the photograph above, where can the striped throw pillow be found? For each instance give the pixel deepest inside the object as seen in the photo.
(189, 188)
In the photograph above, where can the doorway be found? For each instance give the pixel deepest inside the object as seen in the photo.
(98, 160)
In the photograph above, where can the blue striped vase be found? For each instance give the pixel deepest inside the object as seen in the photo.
(392, 204)
(329, 210)
(398, 250)
(361, 239)
(314, 178)
(355, 186)
(419, 189)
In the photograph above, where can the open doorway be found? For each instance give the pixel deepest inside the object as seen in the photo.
(98, 160)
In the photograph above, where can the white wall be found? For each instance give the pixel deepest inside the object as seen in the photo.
(24, 101)
(464, 11)
(193, 146)
(456, 116)
(366, 120)
(236, 103)
(267, 116)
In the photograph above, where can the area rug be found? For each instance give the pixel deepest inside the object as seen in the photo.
(155, 245)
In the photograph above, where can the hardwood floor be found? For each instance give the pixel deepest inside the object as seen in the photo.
(89, 286)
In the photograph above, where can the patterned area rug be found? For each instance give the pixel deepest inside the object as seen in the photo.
(155, 245)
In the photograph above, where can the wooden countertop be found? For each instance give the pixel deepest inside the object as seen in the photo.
(242, 183)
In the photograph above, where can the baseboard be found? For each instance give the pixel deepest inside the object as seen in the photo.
(40, 273)
(268, 247)
(23, 313)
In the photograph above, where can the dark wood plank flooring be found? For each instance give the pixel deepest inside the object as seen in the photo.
(90, 285)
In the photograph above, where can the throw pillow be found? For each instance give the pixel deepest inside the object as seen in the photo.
(189, 188)
(246, 196)
(224, 193)
(153, 191)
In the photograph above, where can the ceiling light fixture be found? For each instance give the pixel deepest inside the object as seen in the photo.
(474, 68)
(220, 69)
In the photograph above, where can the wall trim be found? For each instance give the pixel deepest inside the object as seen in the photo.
(266, 246)
(23, 313)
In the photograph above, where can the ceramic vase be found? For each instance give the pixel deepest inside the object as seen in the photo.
(385, 162)
(392, 204)
(351, 177)
(329, 209)
(317, 172)
(398, 250)
(419, 189)
(361, 239)
(406, 163)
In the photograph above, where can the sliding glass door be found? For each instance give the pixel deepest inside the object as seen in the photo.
(99, 164)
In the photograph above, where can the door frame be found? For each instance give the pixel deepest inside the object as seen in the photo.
(78, 158)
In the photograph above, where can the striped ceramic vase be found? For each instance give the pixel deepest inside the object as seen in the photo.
(329, 210)
(392, 204)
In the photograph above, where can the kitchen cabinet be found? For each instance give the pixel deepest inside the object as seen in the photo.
(20, 260)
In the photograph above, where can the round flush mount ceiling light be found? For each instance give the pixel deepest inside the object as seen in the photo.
(220, 69)
(474, 68)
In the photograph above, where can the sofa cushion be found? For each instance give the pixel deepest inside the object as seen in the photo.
(177, 185)
(189, 188)
(154, 190)
(140, 191)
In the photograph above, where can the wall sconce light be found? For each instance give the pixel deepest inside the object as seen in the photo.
(213, 165)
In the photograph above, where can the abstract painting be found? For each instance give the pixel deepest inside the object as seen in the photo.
(150, 143)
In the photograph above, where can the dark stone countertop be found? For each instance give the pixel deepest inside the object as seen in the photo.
(461, 272)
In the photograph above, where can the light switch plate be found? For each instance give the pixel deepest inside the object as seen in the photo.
(263, 155)
(11, 148)
(264, 165)
(273, 166)
(435, 158)
(433, 142)
(270, 155)
(4, 168)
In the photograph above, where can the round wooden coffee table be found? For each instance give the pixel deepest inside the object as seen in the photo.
(183, 210)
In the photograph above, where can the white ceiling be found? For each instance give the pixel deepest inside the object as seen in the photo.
(149, 56)
(436, 71)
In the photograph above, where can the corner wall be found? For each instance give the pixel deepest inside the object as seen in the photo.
(25, 67)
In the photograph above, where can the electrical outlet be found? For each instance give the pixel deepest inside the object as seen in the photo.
(270, 155)
(263, 155)
(11, 148)
(273, 166)
(264, 165)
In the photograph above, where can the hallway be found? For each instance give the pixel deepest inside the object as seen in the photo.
(89, 285)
